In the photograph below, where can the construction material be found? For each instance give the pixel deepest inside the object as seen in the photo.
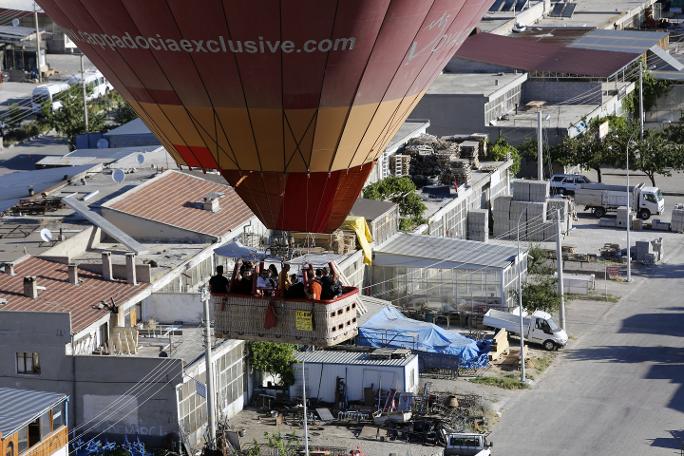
(478, 225)
(677, 224)
(649, 252)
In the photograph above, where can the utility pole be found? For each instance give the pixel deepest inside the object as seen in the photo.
(559, 255)
(209, 371)
(523, 379)
(85, 94)
(35, 17)
(641, 99)
(540, 147)
(629, 213)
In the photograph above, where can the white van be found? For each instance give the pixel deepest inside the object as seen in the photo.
(96, 83)
(48, 93)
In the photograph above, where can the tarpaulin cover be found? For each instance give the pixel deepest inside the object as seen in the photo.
(390, 328)
(363, 234)
(235, 249)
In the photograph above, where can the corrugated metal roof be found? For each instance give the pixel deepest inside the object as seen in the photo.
(172, 199)
(633, 41)
(61, 296)
(21, 407)
(412, 250)
(532, 55)
(350, 358)
(371, 209)
(134, 127)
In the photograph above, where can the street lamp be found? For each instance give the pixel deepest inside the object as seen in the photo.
(630, 142)
(520, 308)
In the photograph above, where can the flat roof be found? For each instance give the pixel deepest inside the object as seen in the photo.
(407, 131)
(413, 250)
(94, 156)
(371, 209)
(351, 358)
(485, 84)
(21, 407)
(534, 55)
(172, 198)
(634, 41)
(60, 296)
(601, 14)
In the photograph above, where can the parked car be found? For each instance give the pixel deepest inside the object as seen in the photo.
(467, 444)
(565, 184)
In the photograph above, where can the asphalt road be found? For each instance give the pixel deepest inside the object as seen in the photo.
(618, 389)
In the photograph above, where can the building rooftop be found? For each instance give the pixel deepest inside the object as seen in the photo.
(61, 296)
(634, 41)
(417, 251)
(94, 156)
(598, 14)
(21, 407)
(407, 131)
(485, 84)
(537, 56)
(174, 198)
(348, 357)
(371, 209)
(134, 127)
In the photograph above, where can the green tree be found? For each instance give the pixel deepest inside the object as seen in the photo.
(401, 191)
(68, 120)
(536, 260)
(541, 294)
(653, 89)
(273, 358)
(122, 112)
(501, 150)
(656, 154)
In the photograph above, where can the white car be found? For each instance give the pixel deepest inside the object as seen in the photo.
(565, 184)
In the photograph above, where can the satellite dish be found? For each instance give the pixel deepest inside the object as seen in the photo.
(46, 235)
(140, 158)
(118, 176)
(102, 143)
(15, 22)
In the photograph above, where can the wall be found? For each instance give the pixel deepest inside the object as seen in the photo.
(321, 380)
(668, 108)
(148, 231)
(452, 114)
(132, 140)
(562, 91)
(167, 308)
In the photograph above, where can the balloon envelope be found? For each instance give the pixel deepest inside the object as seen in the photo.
(292, 100)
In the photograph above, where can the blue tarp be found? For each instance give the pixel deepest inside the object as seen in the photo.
(390, 328)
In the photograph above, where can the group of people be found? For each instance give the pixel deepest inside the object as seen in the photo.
(321, 284)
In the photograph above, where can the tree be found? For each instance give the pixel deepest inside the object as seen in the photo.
(121, 110)
(541, 294)
(656, 154)
(68, 120)
(501, 151)
(273, 358)
(653, 89)
(401, 191)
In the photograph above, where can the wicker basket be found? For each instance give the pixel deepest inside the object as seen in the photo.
(301, 321)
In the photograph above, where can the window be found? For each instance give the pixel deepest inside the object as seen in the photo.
(45, 425)
(58, 416)
(34, 433)
(10, 449)
(22, 436)
(28, 363)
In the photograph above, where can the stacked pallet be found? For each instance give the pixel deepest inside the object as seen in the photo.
(470, 150)
(478, 225)
(462, 170)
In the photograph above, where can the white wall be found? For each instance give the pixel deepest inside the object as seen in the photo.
(321, 380)
(171, 307)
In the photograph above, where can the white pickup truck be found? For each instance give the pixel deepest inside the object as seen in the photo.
(539, 328)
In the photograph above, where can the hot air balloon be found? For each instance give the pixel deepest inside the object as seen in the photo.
(291, 100)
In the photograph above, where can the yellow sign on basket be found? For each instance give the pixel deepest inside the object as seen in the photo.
(303, 320)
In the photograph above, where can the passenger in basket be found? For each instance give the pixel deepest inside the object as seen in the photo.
(296, 290)
(265, 284)
(273, 272)
(218, 284)
(330, 284)
(314, 289)
(284, 280)
(244, 281)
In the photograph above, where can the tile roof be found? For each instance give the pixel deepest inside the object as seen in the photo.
(172, 199)
(532, 55)
(60, 295)
(21, 407)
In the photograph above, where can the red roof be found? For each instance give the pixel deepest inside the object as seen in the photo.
(173, 198)
(533, 55)
(60, 295)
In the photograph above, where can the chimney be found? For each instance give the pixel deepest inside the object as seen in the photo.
(9, 269)
(211, 202)
(130, 269)
(496, 82)
(30, 287)
(73, 273)
(107, 265)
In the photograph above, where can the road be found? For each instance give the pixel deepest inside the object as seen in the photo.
(618, 389)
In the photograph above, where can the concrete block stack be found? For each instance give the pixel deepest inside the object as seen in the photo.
(564, 206)
(622, 220)
(478, 225)
(538, 191)
(501, 208)
(521, 189)
(677, 224)
(659, 225)
(649, 252)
